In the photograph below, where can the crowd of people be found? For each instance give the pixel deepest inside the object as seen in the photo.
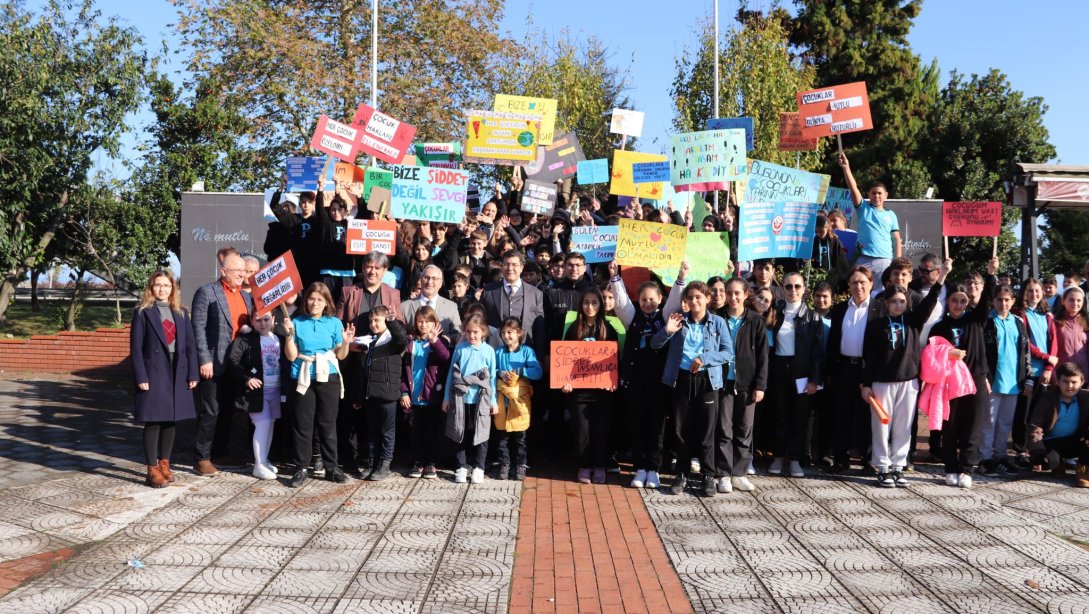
(447, 342)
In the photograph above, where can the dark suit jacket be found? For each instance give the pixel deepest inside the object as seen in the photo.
(212, 326)
(532, 316)
(835, 333)
(446, 309)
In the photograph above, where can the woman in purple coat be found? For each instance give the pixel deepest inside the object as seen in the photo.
(165, 370)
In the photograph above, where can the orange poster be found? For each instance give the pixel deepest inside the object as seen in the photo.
(584, 364)
(829, 111)
(790, 134)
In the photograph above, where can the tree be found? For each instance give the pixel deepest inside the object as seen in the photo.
(1066, 247)
(757, 79)
(70, 78)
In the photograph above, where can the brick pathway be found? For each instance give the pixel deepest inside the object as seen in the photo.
(590, 548)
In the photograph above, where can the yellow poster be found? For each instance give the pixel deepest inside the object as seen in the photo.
(650, 244)
(504, 139)
(545, 107)
(622, 184)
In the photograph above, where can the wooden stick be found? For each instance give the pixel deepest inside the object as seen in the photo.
(945, 242)
(839, 141)
(324, 170)
(994, 248)
(798, 157)
(624, 141)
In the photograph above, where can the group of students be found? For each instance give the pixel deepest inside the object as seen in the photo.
(714, 373)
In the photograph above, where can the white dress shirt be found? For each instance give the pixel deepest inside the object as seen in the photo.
(854, 328)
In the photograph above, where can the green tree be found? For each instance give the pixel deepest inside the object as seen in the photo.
(69, 79)
(1066, 245)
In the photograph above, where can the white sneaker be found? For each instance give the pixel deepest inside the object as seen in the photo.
(261, 472)
(460, 475)
(653, 481)
(796, 470)
(724, 485)
(639, 479)
(694, 465)
(271, 467)
(965, 480)
(952, 479)
(776, 466)
(743, 484)
(750, 470)
(478, 475)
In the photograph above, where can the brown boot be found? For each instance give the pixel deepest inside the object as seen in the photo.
(155, 477)
(164, 468)
(205, 468)
(1081, 478)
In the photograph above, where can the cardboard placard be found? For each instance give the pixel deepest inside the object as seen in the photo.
(628, 123)
(790, 133)
(303, 172)
(433, 194)
(380, 198)
(596, 243)
(707, 160)
(539, 197)
(557, 161)
(366, 236)
(349, 180)
(439, 155)
(593, 171)
(375, 177)
(839, 109)
(622, 184)
(726, 123)
(545, 107)
(707, 254)
(584, 364)
(971, 219)
(382, 136)
(336, 139)
(839, 198)
(649, 172)
(770, 183)
(776, 230)
(275, 283)
(650, 244)
(503, 139)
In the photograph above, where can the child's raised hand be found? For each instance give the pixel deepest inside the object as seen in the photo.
(349, 333)
(567, 387)
(673, 325)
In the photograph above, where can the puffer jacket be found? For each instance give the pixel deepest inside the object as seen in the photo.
(944, 379)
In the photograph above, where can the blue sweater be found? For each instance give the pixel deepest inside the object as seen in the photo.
(470, 359)
(522, 361)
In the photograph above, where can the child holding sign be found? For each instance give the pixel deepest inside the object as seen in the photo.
(878, 228)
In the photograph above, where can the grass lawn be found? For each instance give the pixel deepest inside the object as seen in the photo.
(22, 322)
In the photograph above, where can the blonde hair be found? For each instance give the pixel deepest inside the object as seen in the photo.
(175, 295)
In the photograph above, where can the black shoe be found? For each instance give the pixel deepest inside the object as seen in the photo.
(1004, 468)
(885, 480)
(520, 473)
(709, 486)
(502, 472)
(429, 473)
(299, 478)
(836, 469)
(899, 480)
(678, 485)
(380, 472)
(336, 475)
(988, 469)
(318, 467)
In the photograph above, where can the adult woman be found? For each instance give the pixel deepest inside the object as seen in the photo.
(316, 341)
(165, 370)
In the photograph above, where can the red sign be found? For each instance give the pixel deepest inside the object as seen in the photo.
(971, 219)
(584, 364)
(275, 283)
(382, 136)
(834, 110)
(336, 139)
(790, 134)
(366, 236)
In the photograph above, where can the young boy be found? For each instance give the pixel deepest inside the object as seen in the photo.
(381, 379)
(878, 228)
(1059, 423)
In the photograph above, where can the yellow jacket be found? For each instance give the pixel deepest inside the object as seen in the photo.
(514, 398)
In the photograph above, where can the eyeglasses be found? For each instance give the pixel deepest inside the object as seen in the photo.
(928, 271)
(793, 286)
(235, 271)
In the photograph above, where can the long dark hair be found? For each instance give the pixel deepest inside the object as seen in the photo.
(1082, 316)
(583, 327)
(1019, 305)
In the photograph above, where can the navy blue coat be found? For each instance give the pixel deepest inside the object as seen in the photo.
(168, 398)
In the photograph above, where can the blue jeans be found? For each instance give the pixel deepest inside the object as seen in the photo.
(876, 265)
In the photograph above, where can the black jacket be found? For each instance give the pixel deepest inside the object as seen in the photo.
(558, 300)
(1044, 411)
(244, 362)
(966, 332)
(379, 371)
(278, 237)
(808, 342)
(750, 356)
(835, 331)
(640, 362)
(890, 349)
(990, 344)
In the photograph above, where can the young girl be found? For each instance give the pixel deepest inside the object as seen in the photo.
(890, 374)
(470, 398)
(255, 363)
(590, 409)
(381, 378)
(1071, 326)
(517, 366)
(1043, 347)
(1006, 343)
(425, 369)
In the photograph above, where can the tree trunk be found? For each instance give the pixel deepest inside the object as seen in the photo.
(7, 289)
(70, 318)
(34, 292)
(7, 297)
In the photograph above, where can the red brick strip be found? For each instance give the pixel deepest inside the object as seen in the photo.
(590, 548)
(13, 573)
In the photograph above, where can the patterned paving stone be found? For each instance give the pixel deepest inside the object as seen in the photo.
(230, 580)
(112, 602)
(193, 603)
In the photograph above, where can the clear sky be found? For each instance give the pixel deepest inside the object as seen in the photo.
(1035, 44)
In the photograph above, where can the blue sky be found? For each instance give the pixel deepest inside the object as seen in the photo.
(1036, 49)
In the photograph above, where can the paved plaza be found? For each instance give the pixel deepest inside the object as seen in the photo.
(79, 532)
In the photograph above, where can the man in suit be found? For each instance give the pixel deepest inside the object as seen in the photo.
(512, 297)
(430, 284)
(357, 300)
(220, 309)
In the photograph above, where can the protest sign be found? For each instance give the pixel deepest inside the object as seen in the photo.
(628, 123)
(545, 107)
(848, 239)
(707, 254)
(504, 139)
(438, 155)
(538, 197)
(649, 172)
(700, 210)
(593, 171)
(971, 219)
(776, 230)
(707, 160)
(726, 123)
(559, 160)
(650, 244)
(790, 133)
(336, 139)
(380, 198)
(622, 184)
(375, 177)
(275, 283)
(584, 364)
(366, 236)
(382, 136)
(596, 243)
(349, 180)
(771, 183)
(433, 194)
(920, 226)
(302, 172)
(828, 111)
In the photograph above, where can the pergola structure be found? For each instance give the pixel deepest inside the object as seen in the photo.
(1039, 187)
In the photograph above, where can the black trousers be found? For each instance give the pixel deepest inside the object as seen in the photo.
(428, 423)
(352, 442)
(510, 448)
(793, 412)
(591, 417)
(220, 429)
(823, 424)
(646, 407)
(381, 428)
(1050, 452)
(733, 433)
(466, 454)
(850, 414)
(1019, 433)
(695, 414)
(960, 433)
(317, 409)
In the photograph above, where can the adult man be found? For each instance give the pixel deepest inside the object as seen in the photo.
(252, 266)
(430, 284)
(357, 300)
(513, 297)
(220, 309)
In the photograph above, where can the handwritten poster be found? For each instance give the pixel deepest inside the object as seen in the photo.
(596, 243)
(504, 139)
(650, 172)
(433, 194)
(971, 219)
(790, 133)
(545, 107)
(650, 244)
(349, 181)
(776, 230)
(829, 111)
(839, 198)
(336, 139)
(584, 364)
(375, 177)
(539, 197)
(707, 160)
(628, 123)
(707, 254)
(774, 183)
(557, 161)
(382, 136)
(366, 236)
(725, 123)
(275, 283)
(593, 171)
(622, 183)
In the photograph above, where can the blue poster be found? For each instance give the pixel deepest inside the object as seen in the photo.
(593, 171)
(776, 230)
(302, 173)
(848, 239)
(596, 243)
(840, 198)
(734, 122)
(649, 172)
